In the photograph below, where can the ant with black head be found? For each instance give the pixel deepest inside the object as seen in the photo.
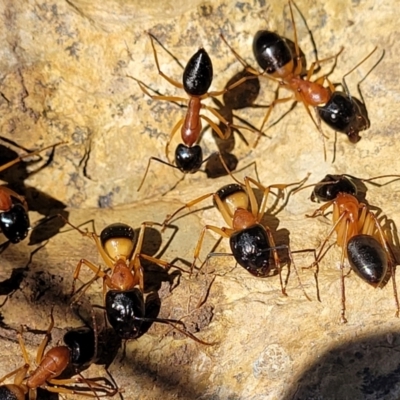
(196, 80)
(362, 237)
(285, 65)
(14, 218)
(252, 243)
(78, 352)
(123, 288)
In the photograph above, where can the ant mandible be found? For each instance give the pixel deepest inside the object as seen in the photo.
(123, 290)
(275, 56)
(52, 364)
(251, 242)
(358, 232)
(14, 219)
(196, 80)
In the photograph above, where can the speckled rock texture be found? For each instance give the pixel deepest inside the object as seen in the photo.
(66, 71)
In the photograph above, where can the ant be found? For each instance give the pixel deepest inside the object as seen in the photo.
(363, 240)
(196, 80)
(251, 242)
(14, 219)
(123, 288)
(275, 55)
(76, 353)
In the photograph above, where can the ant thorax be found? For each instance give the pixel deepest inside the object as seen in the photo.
(122, 277)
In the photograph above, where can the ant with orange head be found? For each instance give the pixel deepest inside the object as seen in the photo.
(275, 55)
(196, 80)
(74, 354)
(14, 219)
(251, 242)
(359, 233)
(123, 288)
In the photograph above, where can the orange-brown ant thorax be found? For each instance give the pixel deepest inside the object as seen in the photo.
(54, 362)
(309, 92)
(122, 277)
(243, 219)
(5, 201)
(347, 205)
(191, 127)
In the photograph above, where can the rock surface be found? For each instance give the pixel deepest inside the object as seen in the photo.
(65, 76)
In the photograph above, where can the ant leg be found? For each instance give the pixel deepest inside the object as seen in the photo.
(224, 232)
(290, 254)
(223, 209)
(96, 270)
(276, 258)
(267, 115)
(320, 211)
(148, 166)
(157, 96)
(106, 258)
(318, 63)
(239, 58)
(91, 383)
(134, 264)
(33, 153)
(227, 124)
(187, 205)
(174, 130)
(342, 277)
(45, 341)
(354, 68)
(166, 77)
(20, 374)
(259, 212)
(317, 125)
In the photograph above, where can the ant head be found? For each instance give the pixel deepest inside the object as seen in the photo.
(81, 342)
(272, 53)
(198, 74)
(188, 159)
(329, 188)
(14, 223)
(233, 196)
(125, 311)
(345, 114)
(118, 240)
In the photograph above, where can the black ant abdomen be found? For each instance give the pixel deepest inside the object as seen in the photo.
(125, 312)
(272, 53)
(329, 188)
(188, 159)
(368, 259)
(345, 114)
(198, 74)
(14, 223)
(252, 250)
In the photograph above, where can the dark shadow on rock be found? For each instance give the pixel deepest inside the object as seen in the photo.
(365, 369)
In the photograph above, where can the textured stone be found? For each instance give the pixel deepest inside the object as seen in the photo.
(64, 76)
